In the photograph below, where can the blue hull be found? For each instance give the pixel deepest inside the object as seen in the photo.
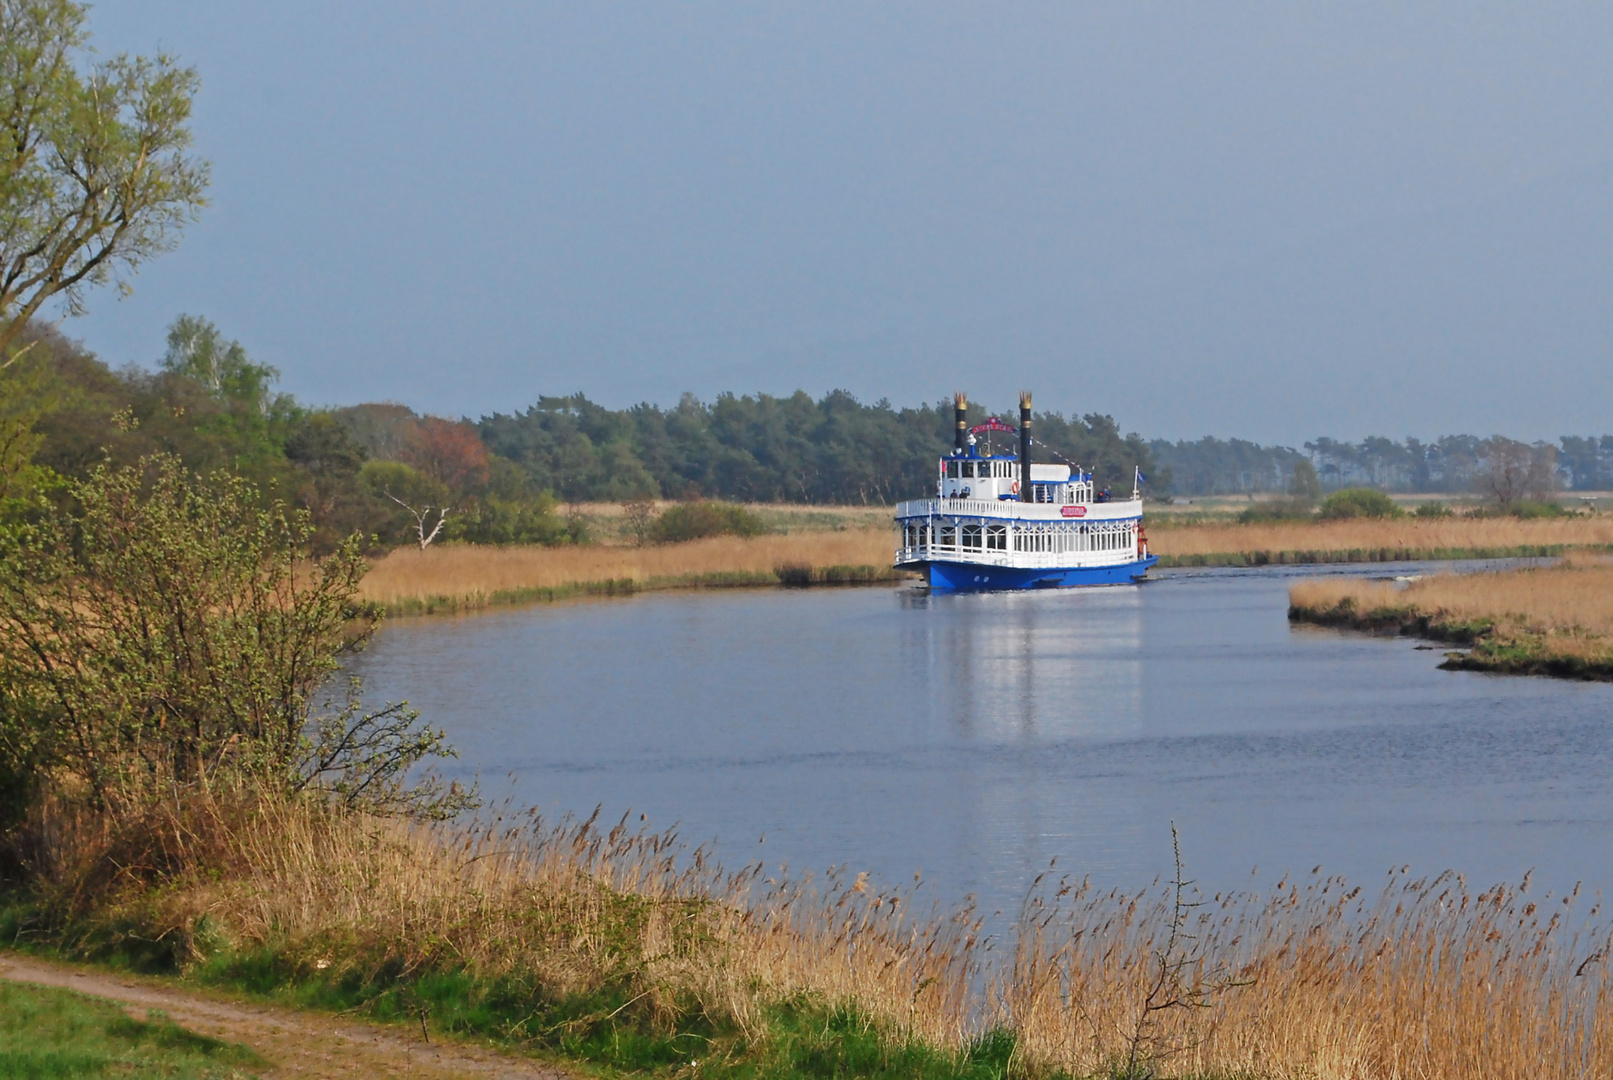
(971, 577)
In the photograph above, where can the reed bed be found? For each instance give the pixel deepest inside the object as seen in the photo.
(1428, 978)
(1378, 539)
(467, 575)
(1554, 620)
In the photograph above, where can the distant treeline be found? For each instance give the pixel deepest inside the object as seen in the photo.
(386, 471)
(1448, 465)
(773, 449)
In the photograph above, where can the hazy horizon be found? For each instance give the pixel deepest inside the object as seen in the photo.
(1262, 221)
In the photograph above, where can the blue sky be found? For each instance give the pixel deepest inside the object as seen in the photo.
(1265, 220)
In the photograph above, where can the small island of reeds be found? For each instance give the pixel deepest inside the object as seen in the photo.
(1546, 620)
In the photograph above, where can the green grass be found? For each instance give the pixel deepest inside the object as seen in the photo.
(47, 1033)
(610, 1028)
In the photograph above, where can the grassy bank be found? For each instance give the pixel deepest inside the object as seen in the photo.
(1373, 540)
(1555, 620)
(467, 577)
(622, 950)
(839, 551)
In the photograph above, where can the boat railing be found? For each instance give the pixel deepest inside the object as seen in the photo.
(1028, 559)
(1011, 508)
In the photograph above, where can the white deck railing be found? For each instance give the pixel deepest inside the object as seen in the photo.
(1023, 559)
(1010, 509)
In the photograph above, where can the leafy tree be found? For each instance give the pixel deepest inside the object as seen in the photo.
(95, 177)
(172, 632)
(1304, 484)
(197, 351)
(450, 453)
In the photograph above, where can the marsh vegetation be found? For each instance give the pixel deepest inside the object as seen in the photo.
(623, 948)
(1551, 620)
(464, 577)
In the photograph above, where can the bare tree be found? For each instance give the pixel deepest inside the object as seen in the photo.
(422, 518)
(1514, 471)
(638, 518)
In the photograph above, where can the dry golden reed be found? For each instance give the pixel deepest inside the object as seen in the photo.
(1567, 607)
(466, 570)
(1408, 533)
(1428, 980)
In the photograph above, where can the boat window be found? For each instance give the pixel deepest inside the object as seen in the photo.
(947, 536)
(997, 537)
(952, 470)
(971, 536)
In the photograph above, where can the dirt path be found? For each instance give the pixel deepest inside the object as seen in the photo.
(295, 1043)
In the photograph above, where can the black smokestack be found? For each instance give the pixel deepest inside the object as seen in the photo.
(960, 417)
(1025, 494)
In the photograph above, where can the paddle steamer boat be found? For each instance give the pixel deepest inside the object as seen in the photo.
(1000, 522)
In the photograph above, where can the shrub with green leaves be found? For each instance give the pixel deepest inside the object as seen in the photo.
(1534, 508)
(1435, 509)
(1359, 503)
(693, 521)
(1288, 509)
(159, 630)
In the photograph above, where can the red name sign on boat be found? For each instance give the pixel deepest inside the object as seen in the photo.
(992, 424)
(1075, 511)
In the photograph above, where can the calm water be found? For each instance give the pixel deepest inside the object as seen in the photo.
(974, 738)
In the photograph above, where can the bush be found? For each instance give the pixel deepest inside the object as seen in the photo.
(1292, 509)
(693, 521)
(169, 633)
(1359, 503)
(1434, 509)
(1529, 508)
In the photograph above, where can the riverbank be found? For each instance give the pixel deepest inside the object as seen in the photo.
(840, 547)
(626, 953)
(1359, 540)
(1555, 620)
(465, 577)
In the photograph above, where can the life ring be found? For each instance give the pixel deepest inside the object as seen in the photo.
(1015, 488)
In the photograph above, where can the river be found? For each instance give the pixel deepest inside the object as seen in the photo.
(972, 739)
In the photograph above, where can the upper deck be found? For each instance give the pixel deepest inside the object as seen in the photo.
(974, 476)
(1115, 510)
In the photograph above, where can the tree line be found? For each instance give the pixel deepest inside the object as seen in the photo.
(761, 448)
(1450, 464)
(382, 470)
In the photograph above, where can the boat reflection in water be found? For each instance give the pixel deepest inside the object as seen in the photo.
(1032, 666)
(1050, 677)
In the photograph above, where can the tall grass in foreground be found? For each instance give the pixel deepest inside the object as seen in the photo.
(581, 937)
(1537, 618)
(472, 571)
